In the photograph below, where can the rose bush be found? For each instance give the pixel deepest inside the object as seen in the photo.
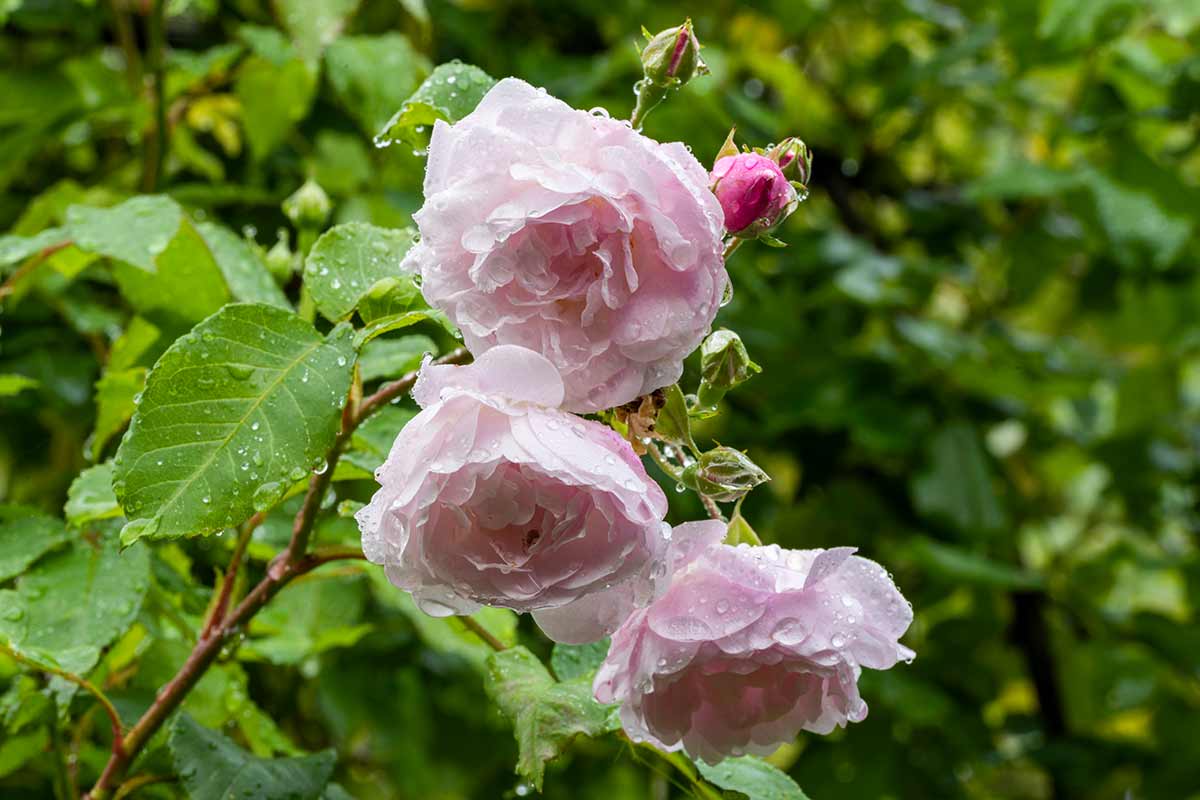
(491, 495)
(750, 645)
(573, 235)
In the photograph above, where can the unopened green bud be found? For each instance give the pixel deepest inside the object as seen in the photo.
(281, 261)
(724, 363)
(672, 57)
(308, 207)
(724, 474)
(794, 159)
(669, 60)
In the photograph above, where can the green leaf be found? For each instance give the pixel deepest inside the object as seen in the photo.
(740, 531)
(25, 536)
(545, 715)
(389, 297)
(136, 231)
(23, 704)
(73, 603)
(374, 75)
(116, 400)
(348, 260)
(395, 322)
(11, 385)
(220, 697)
(673, 424)
(130, 346)
(16, 751)
(448, 634)
(957, 486)
(313, 24)
(1074, 22)
(753, 778)
(183, 281)
(571, 661)
(1020, 178)
(391, 358)
(248, 278)
(270, 43)
(91, 496)
(958, 566)
(321, 611)
(233, 413)
(214, 768)
(19, 248)
(274, 98)
(450, 93)
(1143, 231)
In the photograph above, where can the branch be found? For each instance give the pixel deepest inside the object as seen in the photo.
(156, 146)
(483, 633)
(712, 508)
(661, 460)
(321, 557)
(138, 781)
(125, 35)
(731, 247)
(34, 261)
(390, 391)
(239, 551)
(291, 563)
(666, 466)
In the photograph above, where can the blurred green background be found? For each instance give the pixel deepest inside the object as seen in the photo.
(980, 351)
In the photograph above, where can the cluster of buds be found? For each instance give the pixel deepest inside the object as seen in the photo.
(758, 189)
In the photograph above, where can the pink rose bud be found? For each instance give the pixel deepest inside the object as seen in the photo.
(750, 645)
(753, 192)
(492, 495)
(576, 236)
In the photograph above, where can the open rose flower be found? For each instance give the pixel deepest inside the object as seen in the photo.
(573, 235)
(491, 495)
(750, 645)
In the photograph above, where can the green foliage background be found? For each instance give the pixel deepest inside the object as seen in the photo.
(980, 352)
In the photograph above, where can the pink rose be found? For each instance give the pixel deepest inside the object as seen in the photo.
(573, 235)
(753, 193)
(491, 495)
(750, 645)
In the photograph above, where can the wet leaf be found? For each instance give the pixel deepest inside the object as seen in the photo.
(348, 260)
(233, 414)
(449, 94)
(752, 778)
(25, 536)
(214, 768)
(545, 714)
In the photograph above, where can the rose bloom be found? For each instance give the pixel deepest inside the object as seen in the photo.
(491, 495)
(753, 192)
(750, 645)
(573, 235)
